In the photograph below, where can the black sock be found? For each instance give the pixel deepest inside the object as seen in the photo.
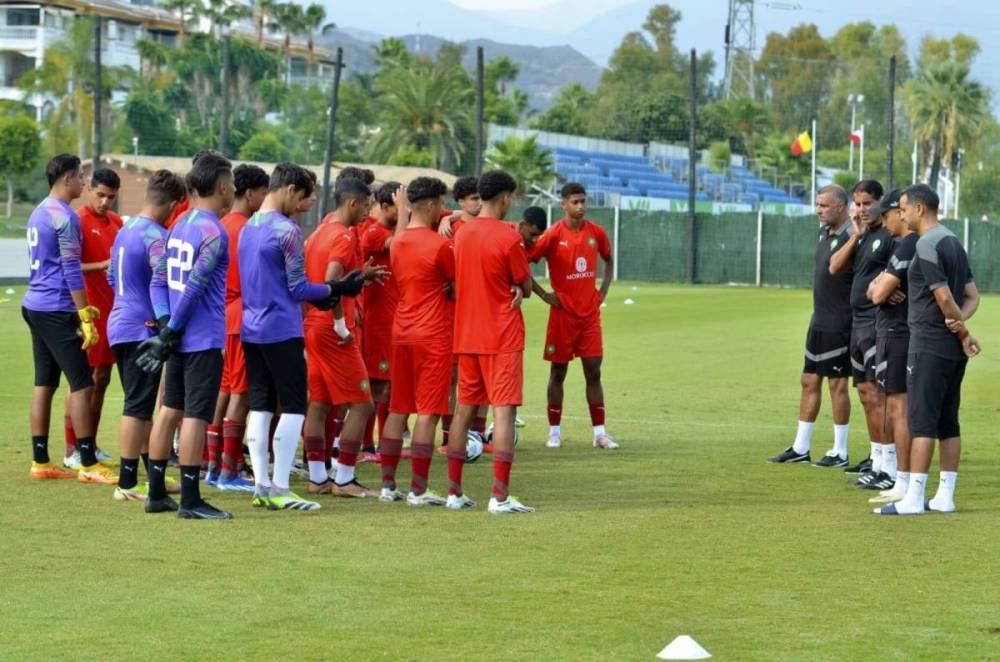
(40, 448)
(145, 462)
(157, 479)
(190, 491)
(88, 451)
(128, 477)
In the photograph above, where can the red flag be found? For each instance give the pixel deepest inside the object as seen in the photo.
(857, 137)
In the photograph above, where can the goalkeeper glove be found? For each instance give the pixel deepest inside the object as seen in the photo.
(348, 286)
(153, 352)
(88, 330)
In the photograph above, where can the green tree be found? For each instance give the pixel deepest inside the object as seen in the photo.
(312, 20)
(20, 147)
(795, 72)
(569, 113)
(221, 13)
(502, 103)
(530, 164)
(187, 11)
(264, 146)
(263, 15)
(151, 120)
(289, 19)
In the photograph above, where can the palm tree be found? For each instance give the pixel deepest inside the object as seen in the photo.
(186, 10)
(263, 14)
(221, 13)
(289, 18)
(423, 108)
(947, 110)
(530, 164)
(312, 19)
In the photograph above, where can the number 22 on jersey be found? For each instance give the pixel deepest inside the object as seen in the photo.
(180, 260)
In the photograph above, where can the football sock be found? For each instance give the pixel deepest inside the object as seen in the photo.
(389, 451)
(599, 431)
(346, 460)
(840, 439)
(40, 448)
(286, 442)
(876, 455)
(913, 502)
(889, 459)
(145, 462)
(232, 448)
(88, 450)
(479, 425)
(420, 463)
(555, 415)
(369, 438)
(555, 431)
(128, 477)
(445, 428)
(382, 413)
(213, 442)
(316, 459)
(190, 490)
(803, 437)
(157, 479)
(902, 481)
(944, 499)
(501, 474)
(597, 415)
(456, 462)
(258, 425)
(69, 434)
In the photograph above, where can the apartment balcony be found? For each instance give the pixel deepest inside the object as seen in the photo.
(33, 40)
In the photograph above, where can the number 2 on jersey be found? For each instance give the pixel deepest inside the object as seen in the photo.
(34, 262)
(180, 260)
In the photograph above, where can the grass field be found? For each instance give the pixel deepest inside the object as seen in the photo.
(685, 530)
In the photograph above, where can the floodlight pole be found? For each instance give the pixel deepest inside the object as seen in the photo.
(891, 147)
(331, 121)
(97, 93)
(480, 109)
(692, 172)
(224, 129)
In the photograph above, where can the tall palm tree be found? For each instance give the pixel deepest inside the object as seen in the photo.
(312, 19)
(186, 11)
(423, 108)
(528, 162)
(221, 13)
(263, 15)
(288, 18)
(947, 110)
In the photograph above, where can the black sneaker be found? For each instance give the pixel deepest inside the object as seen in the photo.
(164, 505)
(865, 479)
(831, 460)
(203, 510)
(789, 456)
(880, 481)
(861, 467)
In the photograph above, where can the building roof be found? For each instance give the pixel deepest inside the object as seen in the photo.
(383, 173)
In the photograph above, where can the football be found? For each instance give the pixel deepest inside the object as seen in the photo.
(473, 447)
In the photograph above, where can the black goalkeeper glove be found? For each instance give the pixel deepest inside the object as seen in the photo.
(153, 352)
(348, 286)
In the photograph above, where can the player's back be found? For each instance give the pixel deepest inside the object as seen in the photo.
(424, 264)
(381, 299)
(53, 243)
(489, 261)
(134, 254)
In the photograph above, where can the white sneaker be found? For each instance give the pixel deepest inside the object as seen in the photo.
(389, 495)
(299, 469)
(103, 457)
(888, 496)
(428, 498)
(606, 442)
(519, 422)
(555, 441)
(73, 461)
(459, 502)
(508, 506)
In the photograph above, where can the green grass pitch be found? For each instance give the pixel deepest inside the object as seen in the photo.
(685, 530)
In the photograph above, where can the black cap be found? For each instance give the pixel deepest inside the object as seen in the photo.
(889, 201)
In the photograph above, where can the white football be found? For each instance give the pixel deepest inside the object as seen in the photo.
(473, 447)
(489, 435)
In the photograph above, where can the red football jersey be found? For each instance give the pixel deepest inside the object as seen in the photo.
(572, 258)
(425, 264)
(233, 222)
(331, 242)
(380, 299)
(97, 236)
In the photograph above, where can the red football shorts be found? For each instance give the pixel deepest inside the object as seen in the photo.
(234, 366)
(337, 372)
(421, 379)
(378, 352)
(101, 354)
(491, 379)
(569, 337)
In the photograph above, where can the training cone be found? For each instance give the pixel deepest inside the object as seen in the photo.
(9, 290)
(684, 648)
(629, 302)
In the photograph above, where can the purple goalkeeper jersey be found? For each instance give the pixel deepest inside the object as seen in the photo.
(136, 252)
(273, 279)
(189, 282)
(53, 257)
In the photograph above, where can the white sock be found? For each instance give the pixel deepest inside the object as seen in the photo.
(286, 442)
(345, 474)
(258, 430)
(599, 431)
(944, 499)
(902, 482)
(840, 439)
(876, 455)
(555, 431)
(889, 459)
(913, 502)
(317, 472)
(803, 437)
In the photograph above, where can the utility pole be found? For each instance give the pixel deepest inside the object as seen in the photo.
(98, 85)
(224, 130)
(331, 122)
(740, 34)
(692, 172)
(890, 152)
(480, 109)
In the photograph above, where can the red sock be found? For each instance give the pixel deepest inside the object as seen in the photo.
(349, 452)
(232, 447)
(70, 435)
(420, 463)
(456, 462)
(314, 448)
(389, 451)
(555, 414)
(332, 426)
(213, 442)
(479, 425)
(382, 413)
(445, 428)
(597, 414)
(369, 438)
(501, 474)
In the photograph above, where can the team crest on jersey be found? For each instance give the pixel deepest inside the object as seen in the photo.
(581, 264)
(550, 349)
(383, 366)
(591, 242)
(364, 384)
(878, 242)
(833, 244)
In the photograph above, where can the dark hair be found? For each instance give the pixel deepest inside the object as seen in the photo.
(349, 187)
(924, 195)
(206, 173)
(537, 217)
(464, 187)
(289, 174)
(425, 188)
(247, 178)
(202, 152)
(165, 187)
(572, 188)
(870, 186)
(494, 183)
(59, 166)
(837, 191)
(363, 175)
(107, 177)
(385, 192)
